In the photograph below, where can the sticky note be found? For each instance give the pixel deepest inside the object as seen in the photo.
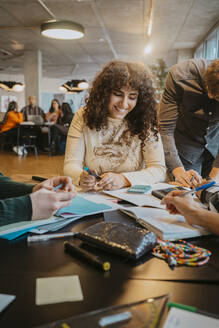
(58, 289)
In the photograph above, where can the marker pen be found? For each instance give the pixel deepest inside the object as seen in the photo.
(91, 258)
(92, 173)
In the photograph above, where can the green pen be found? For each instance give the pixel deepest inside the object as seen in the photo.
(192, 309)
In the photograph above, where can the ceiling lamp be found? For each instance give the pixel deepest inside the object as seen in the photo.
(74, 86)
(62, 29)
(12, 86)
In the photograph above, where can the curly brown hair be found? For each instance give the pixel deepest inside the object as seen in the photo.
(212, 78)
(142, 120)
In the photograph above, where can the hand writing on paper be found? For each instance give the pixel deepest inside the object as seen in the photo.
(185, 206)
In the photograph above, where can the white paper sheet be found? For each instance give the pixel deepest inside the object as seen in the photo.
(178, 318)
(58, 289)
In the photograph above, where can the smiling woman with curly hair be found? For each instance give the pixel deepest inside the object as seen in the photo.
(116, 134)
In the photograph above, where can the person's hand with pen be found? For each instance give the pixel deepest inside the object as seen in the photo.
(50, 196)
(89, 180)
(180, 202)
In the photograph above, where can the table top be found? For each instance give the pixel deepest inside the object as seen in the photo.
(22, 263)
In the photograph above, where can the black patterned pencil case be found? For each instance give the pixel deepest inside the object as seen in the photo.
(128, 241)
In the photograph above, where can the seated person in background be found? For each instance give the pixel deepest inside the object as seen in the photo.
(192, 211)
(59, 130)
(23, 202)
(10, 122)
(32, 109)
(116, 134)
(53, 112)
(189, 121)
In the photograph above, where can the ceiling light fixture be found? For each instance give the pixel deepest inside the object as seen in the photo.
(74, 86)
(149, 18)
(62, 29)
(12, 86)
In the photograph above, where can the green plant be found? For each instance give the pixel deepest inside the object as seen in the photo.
(159, 71)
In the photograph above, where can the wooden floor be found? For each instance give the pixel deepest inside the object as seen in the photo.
(47, 166)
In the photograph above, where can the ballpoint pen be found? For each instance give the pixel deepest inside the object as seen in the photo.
(205, 186)
(61, 185)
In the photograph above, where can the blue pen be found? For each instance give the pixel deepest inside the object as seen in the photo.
(92, 173)
(205, 186)
(61, 185)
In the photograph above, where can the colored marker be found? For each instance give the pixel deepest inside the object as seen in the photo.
(50, 236)
(192, 309)
(205, 186)
(92, 173)
(91, 258)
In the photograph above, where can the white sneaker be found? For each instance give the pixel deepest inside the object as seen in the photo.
(24, 151)
(15, 149)
(19, 150)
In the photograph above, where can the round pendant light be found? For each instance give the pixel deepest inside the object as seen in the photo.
(62, 29)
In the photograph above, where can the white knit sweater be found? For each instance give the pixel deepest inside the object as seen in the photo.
(112, 150)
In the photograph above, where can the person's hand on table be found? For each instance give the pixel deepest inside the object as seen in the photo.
(112, 181)
(54, 182)
(185, 206)
(189, 179)
(47, 202)
(87, 182)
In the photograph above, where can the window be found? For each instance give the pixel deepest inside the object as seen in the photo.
(209, 48)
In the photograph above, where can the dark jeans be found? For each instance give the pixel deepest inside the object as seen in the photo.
(58, 136)
(203, 165)
(10, 137)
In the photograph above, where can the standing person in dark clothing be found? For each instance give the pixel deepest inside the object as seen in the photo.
(189, 121)
(59, 130)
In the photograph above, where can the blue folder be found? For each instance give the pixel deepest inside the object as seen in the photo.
(81, 206)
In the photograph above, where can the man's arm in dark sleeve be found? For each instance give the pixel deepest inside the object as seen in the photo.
(168, 115)
(15, 210)
(10, 188)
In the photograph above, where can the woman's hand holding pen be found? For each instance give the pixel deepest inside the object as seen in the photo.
(189, 178)
(109, 181)
(87, 181)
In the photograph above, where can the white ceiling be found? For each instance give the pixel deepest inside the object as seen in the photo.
(114, 28)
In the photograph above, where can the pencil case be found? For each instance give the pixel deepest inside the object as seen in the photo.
(122, 239)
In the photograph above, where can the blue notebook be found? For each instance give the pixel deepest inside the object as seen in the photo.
(81, 206)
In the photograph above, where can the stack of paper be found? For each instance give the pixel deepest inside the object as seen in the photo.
(79, 207)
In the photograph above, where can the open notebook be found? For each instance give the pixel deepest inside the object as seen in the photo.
(166, 226)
